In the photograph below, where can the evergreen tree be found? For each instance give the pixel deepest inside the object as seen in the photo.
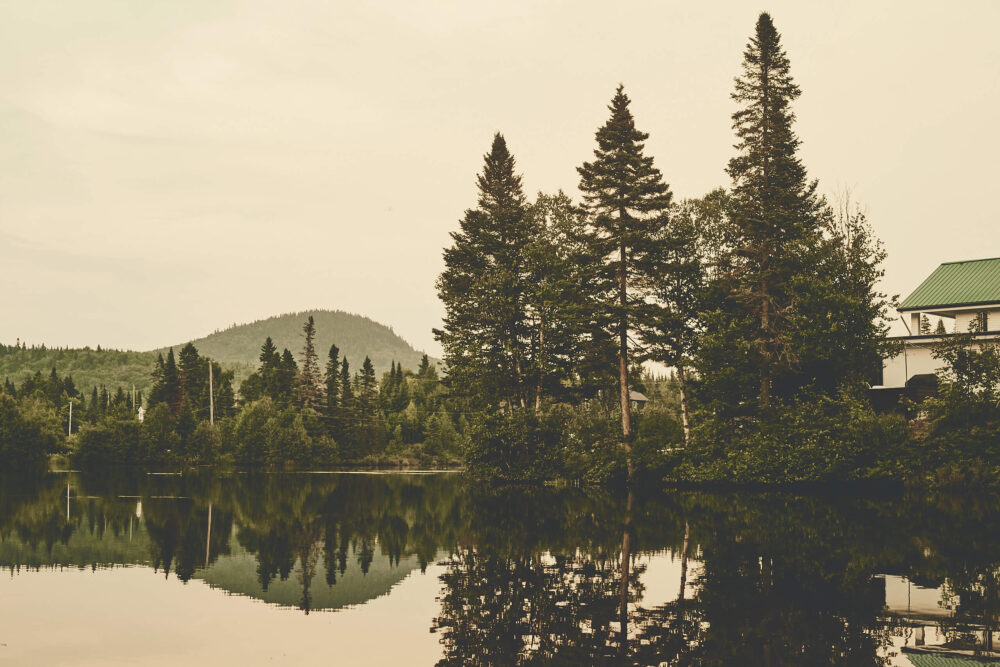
(94, 410)
(310, 387)
(286, 377)
(485, 329)
(347, 417)
(776, 214)
(925, 325)
(367, 405)
(193, 379)
(793, 313)
(331, 380)
(627, 202)
(424, 370)
(940, 330)
(166, 384)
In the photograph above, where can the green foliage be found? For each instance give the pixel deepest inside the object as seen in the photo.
(29, 432)
(513, 447)
(112, 441)
(485, 329)
(815, 437)
(265, 433)
(962, 439)
(87, 367)
(159, 439)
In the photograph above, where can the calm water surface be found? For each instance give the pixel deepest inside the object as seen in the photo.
(425, 569)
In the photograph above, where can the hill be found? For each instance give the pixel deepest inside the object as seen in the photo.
(236, 348)
(88, 367)
(357, 336)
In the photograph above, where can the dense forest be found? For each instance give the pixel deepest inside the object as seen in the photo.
(293, 410)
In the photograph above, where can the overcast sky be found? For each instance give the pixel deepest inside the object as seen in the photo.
(169, 168)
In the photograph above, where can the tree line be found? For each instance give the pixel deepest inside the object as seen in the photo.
(290, 412)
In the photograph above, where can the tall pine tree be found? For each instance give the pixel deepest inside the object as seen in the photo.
(331, 380)
(627, 202)
(485, 329)
(776, 213)
(310, 380)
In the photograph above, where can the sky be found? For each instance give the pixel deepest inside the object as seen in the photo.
(170, 168)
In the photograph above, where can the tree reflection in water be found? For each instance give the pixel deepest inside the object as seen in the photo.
(549, 576)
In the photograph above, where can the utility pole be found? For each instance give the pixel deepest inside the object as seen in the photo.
(211, 396)
(69, 429)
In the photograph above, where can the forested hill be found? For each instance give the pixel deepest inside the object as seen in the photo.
(236, 347)
(88, 367)
(355, 335)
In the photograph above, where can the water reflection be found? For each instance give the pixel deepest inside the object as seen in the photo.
(551, 576)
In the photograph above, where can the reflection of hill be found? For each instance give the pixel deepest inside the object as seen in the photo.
(81, 550)
(237, 574)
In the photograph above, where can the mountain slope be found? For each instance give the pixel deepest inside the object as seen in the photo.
(355, 335)
(236, 348)
(88, 367)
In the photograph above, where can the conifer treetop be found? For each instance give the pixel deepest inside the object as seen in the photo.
(622, 179)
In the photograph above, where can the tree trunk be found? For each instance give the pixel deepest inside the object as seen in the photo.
(623, 591)
(623, 362)
(684, 561)
(765, 328)
(541, 364)
(685, 408)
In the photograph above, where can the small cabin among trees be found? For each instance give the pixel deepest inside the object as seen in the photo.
(963, 297)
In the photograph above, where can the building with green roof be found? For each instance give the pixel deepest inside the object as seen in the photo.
(958, 297)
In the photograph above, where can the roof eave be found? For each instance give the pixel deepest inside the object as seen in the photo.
(935, 306)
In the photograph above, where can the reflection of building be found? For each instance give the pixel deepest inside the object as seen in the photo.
(960, 297)
(929, 638)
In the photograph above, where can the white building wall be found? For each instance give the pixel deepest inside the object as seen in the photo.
(914, 360)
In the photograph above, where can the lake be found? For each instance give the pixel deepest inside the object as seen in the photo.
(423, 569)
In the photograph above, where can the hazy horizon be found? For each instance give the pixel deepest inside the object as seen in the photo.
(169, 169)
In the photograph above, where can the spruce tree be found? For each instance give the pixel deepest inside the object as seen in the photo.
(367, 399)
(167, 385)
(425, 365)
(925, 325)
(347, 417)
(310, 387)
(940, 330)
(627, 201)
(193, 380)
(331, 381)
(286, 378)
(774, 207)
(485, 329)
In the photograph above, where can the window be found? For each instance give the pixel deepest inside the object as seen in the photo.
(982, 321)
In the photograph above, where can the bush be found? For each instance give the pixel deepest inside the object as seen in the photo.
(814, 438)
(513, 447)
(112, 441)
(265, 434)
(159, 440)
(28, 433)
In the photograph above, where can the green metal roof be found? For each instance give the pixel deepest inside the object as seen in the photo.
(931, 660)
(956, 284)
